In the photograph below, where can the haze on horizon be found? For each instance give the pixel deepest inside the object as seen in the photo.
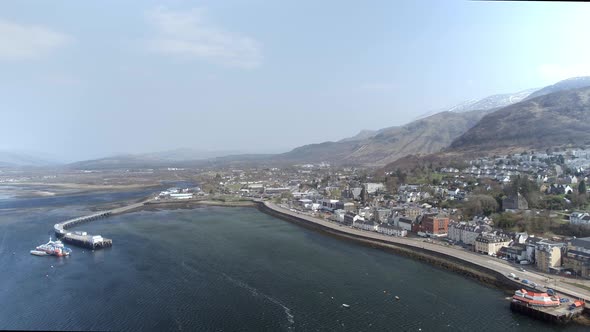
(85, 80)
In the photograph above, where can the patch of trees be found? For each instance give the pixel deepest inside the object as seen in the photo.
(478, 205)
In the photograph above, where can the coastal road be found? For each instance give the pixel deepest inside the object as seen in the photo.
(485, 261)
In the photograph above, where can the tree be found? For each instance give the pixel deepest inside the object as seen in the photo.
(582, 187)
(480, 204)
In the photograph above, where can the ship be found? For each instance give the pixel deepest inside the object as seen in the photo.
(535, 299)
(55, 248)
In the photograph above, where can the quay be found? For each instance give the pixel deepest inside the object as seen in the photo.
(560, 314)
(82, 239)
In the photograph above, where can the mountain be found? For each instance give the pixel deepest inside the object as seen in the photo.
(488, 103)
(363, 134)
(423, 136)
(556, 119)
(171, 158)
(492, 102)
(13, 159)
(570, 83)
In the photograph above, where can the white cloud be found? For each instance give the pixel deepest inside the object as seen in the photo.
(187, 34)
(554, 73)
(28, 41)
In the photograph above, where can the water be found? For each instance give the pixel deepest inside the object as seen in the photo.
(229, 269)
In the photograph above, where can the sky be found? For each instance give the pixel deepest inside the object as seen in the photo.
(88, 79)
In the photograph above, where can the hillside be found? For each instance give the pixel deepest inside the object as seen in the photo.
(556, 119)
(423, 136)
(570, 83)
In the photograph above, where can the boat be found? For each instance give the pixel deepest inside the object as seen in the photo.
(38, 253)
(397, 297)
(55, 248)
(535, 299)
(345, 305)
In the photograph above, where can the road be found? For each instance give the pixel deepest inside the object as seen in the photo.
(485, 261)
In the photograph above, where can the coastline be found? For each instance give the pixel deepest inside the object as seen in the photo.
(484, 269)
(468, 269)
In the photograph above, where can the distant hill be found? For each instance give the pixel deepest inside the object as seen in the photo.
(171, 158)
(552, 120)
(13, 159)
(570, 83)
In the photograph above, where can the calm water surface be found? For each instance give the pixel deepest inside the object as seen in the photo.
(227, 269)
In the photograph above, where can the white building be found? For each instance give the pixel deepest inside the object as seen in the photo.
(580, 218)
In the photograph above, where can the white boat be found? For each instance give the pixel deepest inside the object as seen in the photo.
(39, 253)
(345, 305)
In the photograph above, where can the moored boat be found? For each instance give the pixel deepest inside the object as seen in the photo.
(55, 248)
(39, 253)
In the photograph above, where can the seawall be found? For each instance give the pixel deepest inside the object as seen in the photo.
(477, 272)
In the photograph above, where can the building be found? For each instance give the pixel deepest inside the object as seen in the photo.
(403, 223)
(580, 218)
(513, 202)
(516, 253)
(366, 225)
(372, 188)
(490, 244)
(350, 218)
(381, 215)
(465, 233)
(345, 206)
(328, 204)
(181, 195)
(548, 255)
(577, 258)
(431, 225)
(388, 229)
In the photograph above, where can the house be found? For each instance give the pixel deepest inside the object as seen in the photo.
(403, 223)
(490, 244)
(515, 202)
(350, 218)
(392, 230)
(365, 225)
(381, 215)
(580, 218)
(516, 253)
(338, 215)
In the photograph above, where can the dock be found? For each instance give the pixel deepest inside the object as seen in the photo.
(82, 239)
(560, 314)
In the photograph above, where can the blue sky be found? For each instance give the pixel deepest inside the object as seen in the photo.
(87, 79)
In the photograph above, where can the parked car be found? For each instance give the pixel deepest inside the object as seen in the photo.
(524, 281)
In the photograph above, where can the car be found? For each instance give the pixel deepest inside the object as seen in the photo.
(516, 278)
(522, 270)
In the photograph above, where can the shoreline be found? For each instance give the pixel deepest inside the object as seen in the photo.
(454, 264)
(424, 252)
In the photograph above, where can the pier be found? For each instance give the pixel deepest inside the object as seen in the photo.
(561, 314)
(82, 239)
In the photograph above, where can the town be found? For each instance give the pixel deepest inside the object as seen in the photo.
(528, 208)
